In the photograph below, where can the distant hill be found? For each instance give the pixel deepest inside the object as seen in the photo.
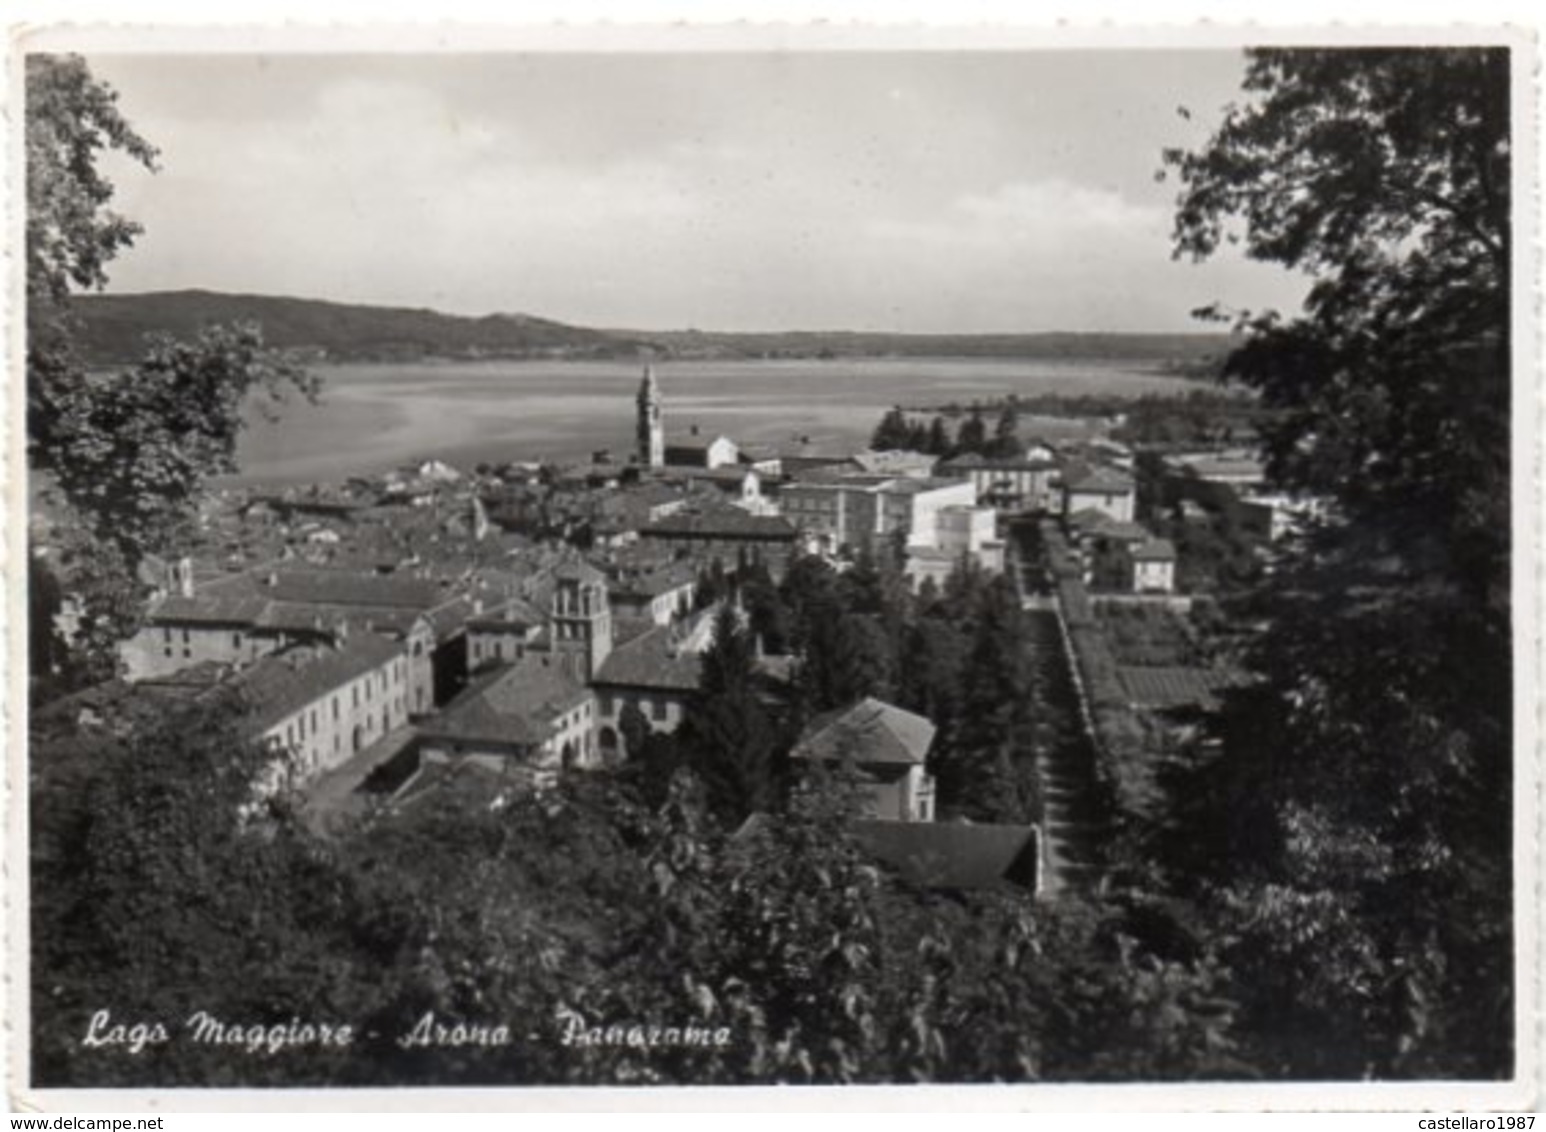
(1180, 350)
(115, 327)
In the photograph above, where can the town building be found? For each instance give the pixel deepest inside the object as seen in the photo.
(727, 535)
(319, 704)
(894, 462)
(658, 673)
(963, 534)
(528, 720)
(238, 618)
(1099, 488)
(1009, 484)
(873, 513)
(701, 451)
(1154, 566)
(885, 748)
(739, 485)
(659, 595)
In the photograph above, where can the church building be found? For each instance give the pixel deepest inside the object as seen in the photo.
(651, 424)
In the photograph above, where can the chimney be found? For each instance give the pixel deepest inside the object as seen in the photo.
(694, 430)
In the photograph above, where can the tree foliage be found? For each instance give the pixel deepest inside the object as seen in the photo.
(129, 451)
(1368, 783)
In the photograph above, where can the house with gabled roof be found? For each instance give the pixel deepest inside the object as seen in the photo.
(957, 856)
(535, 714)
(700, 450)
(1154, 566)
(658, 672)
(1099, 487)
(884, 748)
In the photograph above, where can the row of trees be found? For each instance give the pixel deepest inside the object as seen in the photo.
(898, 430)
(958, 655)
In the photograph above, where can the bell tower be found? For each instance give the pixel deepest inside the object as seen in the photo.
(582, 617)
(651, 427)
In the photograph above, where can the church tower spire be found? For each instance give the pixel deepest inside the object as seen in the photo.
(651, 427)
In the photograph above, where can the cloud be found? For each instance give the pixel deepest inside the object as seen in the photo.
(786, 191)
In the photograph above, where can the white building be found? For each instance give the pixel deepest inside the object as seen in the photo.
(1098, 488)
(1154, 567)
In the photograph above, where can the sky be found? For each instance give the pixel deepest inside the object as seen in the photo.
(924, 191)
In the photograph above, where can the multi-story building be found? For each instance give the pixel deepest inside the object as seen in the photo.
(1009, 484)
(727, 535)
(320, 704)
(658, 673)
(885, 748)
(1098, 488)
(869, 512)
(660, 595)
(238, 618)
(1154, 566)
(528, 720)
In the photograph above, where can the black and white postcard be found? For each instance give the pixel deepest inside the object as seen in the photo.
(554, 558)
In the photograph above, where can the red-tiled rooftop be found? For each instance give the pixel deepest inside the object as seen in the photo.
(652, 660)
(729, 522)
(514, 704)
(870, 731)
(277, 685)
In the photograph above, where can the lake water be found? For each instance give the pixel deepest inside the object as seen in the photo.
(374, 417)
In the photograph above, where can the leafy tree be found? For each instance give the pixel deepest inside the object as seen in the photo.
(892, 431)
(767, 617)
(1006, 432)
(1378, 756)
(973, 433)
(134, 449)
(634, 726)
(729, 738)
(727, 662)
(71, 234)
(130, 450)
(938, 442)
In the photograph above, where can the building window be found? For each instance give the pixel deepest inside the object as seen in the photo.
(335, 709)
(356, 690)
(659, 711)
(168, 637)
(186, 638)
(236, 640)
(606, 704)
